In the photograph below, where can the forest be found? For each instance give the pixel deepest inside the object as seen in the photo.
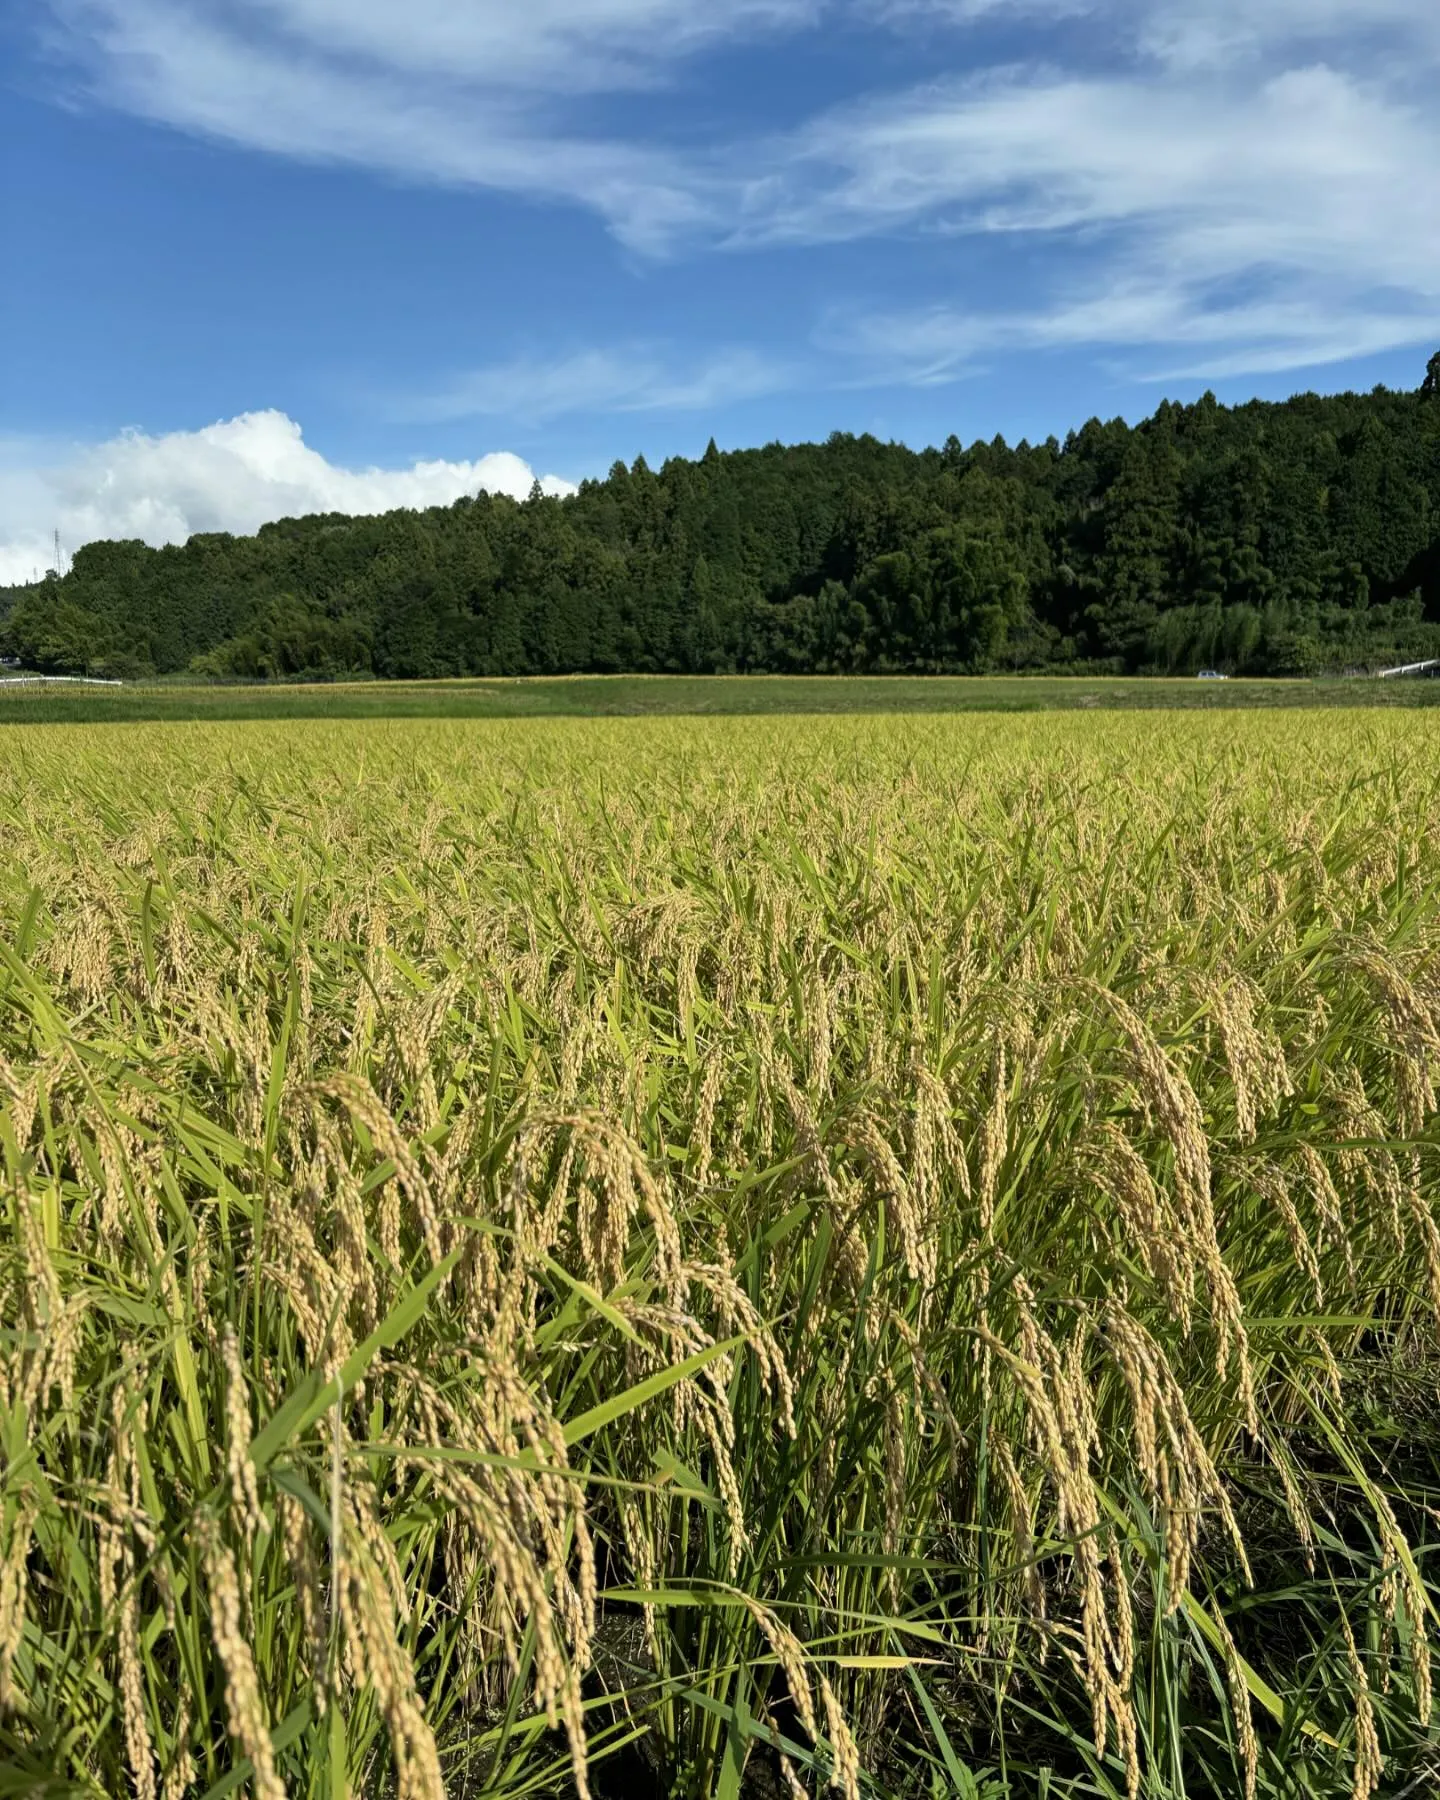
(1293, 538)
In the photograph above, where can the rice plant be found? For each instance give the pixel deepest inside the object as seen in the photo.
(720, 1258)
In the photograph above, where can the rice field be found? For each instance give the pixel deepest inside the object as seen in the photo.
(738, 1257)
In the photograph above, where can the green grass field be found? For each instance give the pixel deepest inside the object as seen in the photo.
(627, 695)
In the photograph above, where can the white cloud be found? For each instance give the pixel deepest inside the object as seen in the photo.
(1162, 334)
(544, 45)
(1305, 164)
(480, 95)
(1270, 222)
(631, 379)
(1219, 32)
(1263, 174)
(1201, 33)
(235, 475)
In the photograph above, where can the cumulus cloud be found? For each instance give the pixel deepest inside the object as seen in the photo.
(235, 475)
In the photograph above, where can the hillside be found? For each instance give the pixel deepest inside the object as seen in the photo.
(1265, 538)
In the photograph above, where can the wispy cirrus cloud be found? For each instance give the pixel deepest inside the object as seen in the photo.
(628, 379)
(1265, 176)
(1278, 223)
(1220, 33)
(1301, 165)
(1148, 332)
(482, 96)
(496, 95)
(545, 46)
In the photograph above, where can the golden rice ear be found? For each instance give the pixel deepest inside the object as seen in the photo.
(245, 1716)
(364, 1106)
(794, 1665)
(380, 1664)
(1022, 1530)
(1369, 1763)
(139, 1748)
(1147, 1214)
(295, 1532)
(702, 1131)
(1247, 1742)
(14, 1595)
(991, 1146)
(244, 1492)
(1254, 1056)
(180, 1776)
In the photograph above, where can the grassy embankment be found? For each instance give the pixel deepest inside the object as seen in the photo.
(625, 695)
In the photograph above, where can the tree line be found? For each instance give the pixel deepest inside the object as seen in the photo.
(1289, 538)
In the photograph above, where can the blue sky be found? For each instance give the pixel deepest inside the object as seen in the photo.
(271, 255)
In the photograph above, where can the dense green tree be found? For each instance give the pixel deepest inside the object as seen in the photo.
(1136, 572)
(1284, 538)
(53, 635)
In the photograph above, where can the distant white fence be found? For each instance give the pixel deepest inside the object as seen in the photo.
(49, 680)
(1429, 666)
